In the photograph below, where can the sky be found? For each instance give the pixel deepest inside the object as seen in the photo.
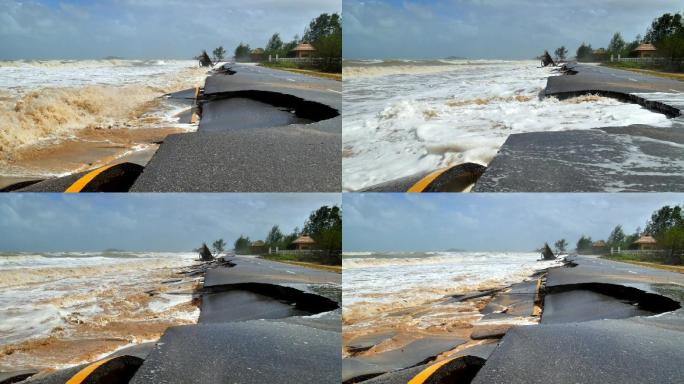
(147, 29)
(490, 29)
(490, 222)
(147, 222)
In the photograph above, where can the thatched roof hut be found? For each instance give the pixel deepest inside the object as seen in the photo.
(258, 247)
(646, 242)
(257, 55)
(304, 242)
(599, 244)
(645, 50)
(304, 50)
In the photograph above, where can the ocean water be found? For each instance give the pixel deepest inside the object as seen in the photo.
(88, 295)
(410, 291)
(46, 101)
(402, 117)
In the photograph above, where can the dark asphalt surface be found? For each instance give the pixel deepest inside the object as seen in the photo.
(598, 78)
(243, 145)
(584, 336)
(592, 269)
(54, 185)
(636, 158)
(366, 342)
(245, 336)
(241, 305)
(256, 78)
(607, 351)
(264, 154)
(241, 113)
(255, 270)
(517, 302)
(12, 377)
(403, 376)
(568, 307)
(243, 352)
(614, 159)
(412, 354)
(629, 350)
(287, 159)
(454, 179)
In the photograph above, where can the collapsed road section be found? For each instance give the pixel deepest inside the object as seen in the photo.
(260, 321)
(599, 321)
(607, 159)
(259, 130)
(629, 158)
(615, 322)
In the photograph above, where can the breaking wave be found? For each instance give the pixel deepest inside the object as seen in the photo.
(44, 101)
(376, 68)
(61, 308)
(435, 116)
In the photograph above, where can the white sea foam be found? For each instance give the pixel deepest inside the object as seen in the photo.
(391, 280)
(402, 118)
(50, 100)
(41, 291)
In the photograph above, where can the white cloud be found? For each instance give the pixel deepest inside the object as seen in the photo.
(147, 221)
(149, 28)
(517, 29)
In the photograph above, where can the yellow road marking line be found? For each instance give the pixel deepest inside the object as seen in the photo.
(85, 372)
(87, 178)
(536, 311)
(427, 372)
(427, 180)
(194, 118)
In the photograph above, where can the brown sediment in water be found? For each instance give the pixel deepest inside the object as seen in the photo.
(583, 99)
(348, 152)
(88, 148)
(125, 316)
(434, 318)
(92, 341)
(430, 114)
(409, 322)
(488, 100)
(64, 130)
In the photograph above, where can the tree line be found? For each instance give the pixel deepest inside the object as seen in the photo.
(324, 226)
(666, 33)
(666, 226)
(324, 33)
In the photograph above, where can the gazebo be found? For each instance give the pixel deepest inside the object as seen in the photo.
(304, 50)
(304, 242)
(646, 242)
(599, 245)
(257, 55)
(645, 50)
(257, 248)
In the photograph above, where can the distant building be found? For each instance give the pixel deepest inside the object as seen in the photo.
(598, 246)
(257, 55)
(304, 242)
(645, 50)
(601, 54)
(257, 248)
(646, 242)
(304, 50)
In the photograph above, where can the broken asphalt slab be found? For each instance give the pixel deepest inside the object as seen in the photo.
(608, 159)
(243, 352)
